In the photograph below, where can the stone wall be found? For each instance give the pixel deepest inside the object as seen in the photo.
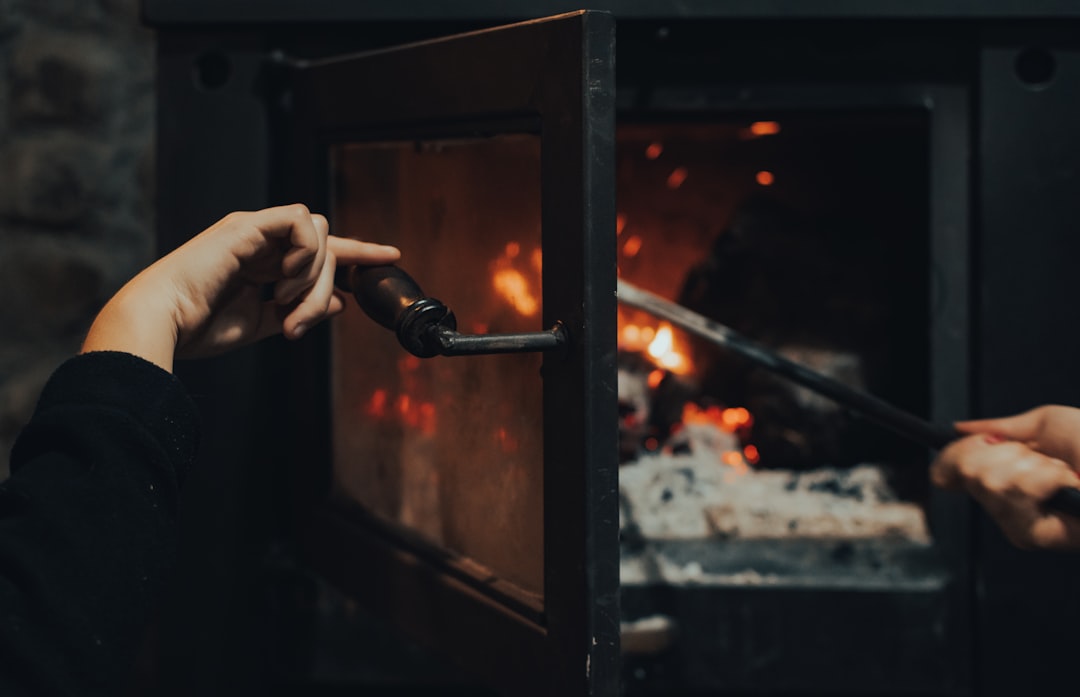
(76, 185)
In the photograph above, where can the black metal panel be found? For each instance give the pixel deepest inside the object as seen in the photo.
(555, 75)
(215, 629)
(199, 11)
(1029, 165)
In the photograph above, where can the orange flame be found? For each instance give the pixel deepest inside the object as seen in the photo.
(511, 284)
(514, 285)
(765, 128)
(662, 349)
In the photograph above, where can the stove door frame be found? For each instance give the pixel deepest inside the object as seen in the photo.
(554, 77)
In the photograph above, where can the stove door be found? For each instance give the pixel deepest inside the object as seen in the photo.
(473, 500)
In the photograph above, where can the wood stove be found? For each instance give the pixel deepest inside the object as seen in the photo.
(882, 192)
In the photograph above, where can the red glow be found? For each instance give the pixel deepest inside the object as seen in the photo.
(654, 150)
(677, 177)
(765, 178)
(632, 246)
(377, 404)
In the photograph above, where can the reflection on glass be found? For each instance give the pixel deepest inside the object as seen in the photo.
(450, 448)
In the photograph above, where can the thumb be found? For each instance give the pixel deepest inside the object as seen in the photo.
(1022, 427)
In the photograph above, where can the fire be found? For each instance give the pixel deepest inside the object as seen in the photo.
(734, 459)
(377, 404)
(513, 287)
(514, 284)
(403, 409)
(736, 418)
(662, 349)
(730, 420)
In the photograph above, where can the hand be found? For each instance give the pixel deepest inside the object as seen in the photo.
(206, 297)
(1012, 465)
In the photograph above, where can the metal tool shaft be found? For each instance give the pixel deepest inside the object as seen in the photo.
(906, 424)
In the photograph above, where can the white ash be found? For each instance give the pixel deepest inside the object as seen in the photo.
(694, 495)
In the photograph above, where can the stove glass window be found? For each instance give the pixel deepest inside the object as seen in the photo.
(447, 448)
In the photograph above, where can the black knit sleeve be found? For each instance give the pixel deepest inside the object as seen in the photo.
(88, 523)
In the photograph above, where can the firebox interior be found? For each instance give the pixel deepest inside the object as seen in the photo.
(809, 233)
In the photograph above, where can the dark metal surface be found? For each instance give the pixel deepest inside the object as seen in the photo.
(1029, 172)
(201, 11)
(555, 77)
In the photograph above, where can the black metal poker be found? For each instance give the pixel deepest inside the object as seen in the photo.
(903, 423)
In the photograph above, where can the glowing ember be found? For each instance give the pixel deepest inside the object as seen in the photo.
(512, 250)
(736, 418)
(751, 454)
(765, 128)
(537, 259)
(654, 150)
(655, 378)
(677, 177)
(377, 404)
(765, 178)
(507, 441)
(632, 246)
(620, 223)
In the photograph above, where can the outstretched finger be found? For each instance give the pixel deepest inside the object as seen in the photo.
(348, 251)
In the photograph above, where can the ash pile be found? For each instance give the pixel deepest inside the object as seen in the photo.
(697, 508)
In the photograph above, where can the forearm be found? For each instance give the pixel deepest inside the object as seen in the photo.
(139, 320)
